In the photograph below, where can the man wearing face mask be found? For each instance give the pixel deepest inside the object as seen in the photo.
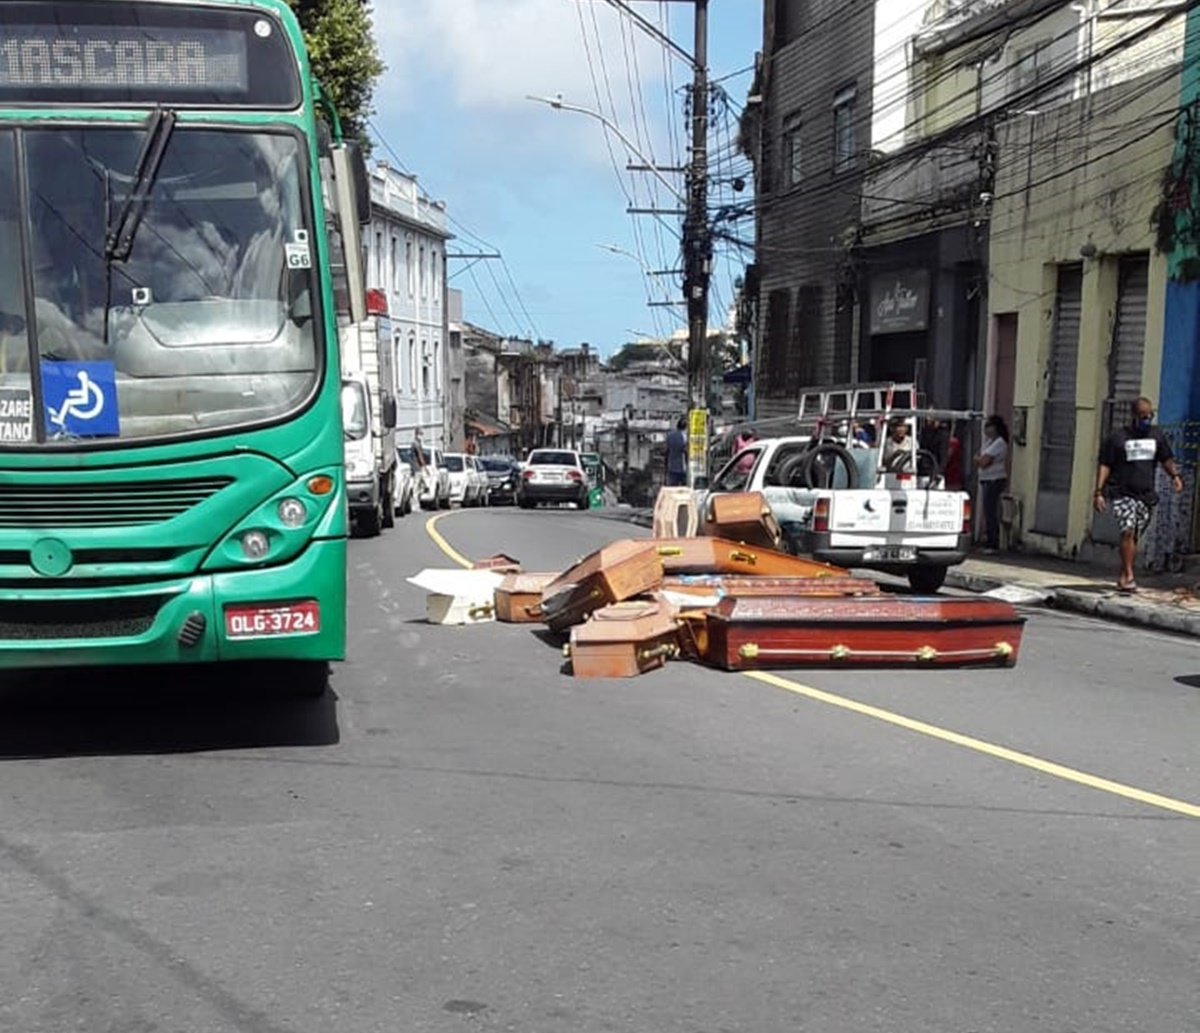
(1127, 464)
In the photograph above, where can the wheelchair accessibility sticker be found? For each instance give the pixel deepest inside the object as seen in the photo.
(81, 399)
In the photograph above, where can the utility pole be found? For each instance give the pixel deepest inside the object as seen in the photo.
(697, 257)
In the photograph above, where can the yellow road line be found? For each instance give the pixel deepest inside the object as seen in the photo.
(968, 742)
(441, 543)
(1025, 760)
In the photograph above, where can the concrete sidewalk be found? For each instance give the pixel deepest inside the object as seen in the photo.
(1165, 602)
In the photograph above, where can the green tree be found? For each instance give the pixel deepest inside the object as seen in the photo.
(345, 57)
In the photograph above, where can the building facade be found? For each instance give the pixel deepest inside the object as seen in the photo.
(405, 248)
(806, 130)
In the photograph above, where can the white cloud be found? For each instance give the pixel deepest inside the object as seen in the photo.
(485, 56)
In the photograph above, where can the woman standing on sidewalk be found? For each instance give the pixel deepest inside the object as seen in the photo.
(993, 475)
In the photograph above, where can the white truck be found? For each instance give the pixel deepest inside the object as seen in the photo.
(369, 415)
(855, 503)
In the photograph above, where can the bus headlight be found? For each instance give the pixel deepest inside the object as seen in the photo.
(292, 512)
(255, 545)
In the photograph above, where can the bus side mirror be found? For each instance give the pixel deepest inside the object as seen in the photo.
(362, 181)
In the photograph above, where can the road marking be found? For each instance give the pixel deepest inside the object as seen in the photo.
(1025, 760)
(441, 543)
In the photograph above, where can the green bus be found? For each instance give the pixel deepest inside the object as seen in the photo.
(171, 454)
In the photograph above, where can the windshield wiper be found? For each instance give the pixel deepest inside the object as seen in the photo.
(118, 245)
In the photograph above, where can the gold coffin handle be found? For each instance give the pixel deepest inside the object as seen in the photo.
(666, 651)
(480, 612)
(737, 556)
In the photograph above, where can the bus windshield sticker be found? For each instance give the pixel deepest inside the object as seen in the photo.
(81, 399)
(16, 414)
(298, 256)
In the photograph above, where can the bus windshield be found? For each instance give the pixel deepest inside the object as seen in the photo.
(205, 322)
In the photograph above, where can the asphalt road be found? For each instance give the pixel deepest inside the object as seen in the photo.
(462, 837)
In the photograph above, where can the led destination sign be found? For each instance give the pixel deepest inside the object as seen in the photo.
(206, 61)
(144, 54)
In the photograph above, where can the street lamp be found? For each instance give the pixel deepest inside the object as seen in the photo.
(559, 104)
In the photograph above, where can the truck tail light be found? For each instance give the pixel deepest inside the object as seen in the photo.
(967, 515)
(821, 516)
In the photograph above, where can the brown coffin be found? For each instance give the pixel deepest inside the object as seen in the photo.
(613, 574)
(623, 641)
(742, 517)
(722, 556)
(885, 631)
(519, 597)
(706, 586)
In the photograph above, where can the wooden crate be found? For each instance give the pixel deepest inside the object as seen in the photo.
(624, 640)
(884, 631)
(617, 572)
(519, 598)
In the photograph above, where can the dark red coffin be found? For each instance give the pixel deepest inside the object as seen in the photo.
(874, 631)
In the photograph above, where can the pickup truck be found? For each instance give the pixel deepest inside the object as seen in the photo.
(897, 522)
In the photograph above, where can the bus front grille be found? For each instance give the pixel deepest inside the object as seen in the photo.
(42, 620)
(114, 504)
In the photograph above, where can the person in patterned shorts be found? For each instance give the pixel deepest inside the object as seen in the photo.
(1125, 481)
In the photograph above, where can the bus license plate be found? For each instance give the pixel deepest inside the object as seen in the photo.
(270, 621)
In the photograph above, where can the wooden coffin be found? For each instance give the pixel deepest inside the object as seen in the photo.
(519, 597)
(675, 514)
(722, 556)
(624, 640)
(617, 572)
(884, 631)
(742, 517)
(709, 589)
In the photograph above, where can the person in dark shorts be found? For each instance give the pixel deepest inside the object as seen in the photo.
(677, 451)
(1126, 481)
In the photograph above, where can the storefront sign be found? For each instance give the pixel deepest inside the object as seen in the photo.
(900, 302)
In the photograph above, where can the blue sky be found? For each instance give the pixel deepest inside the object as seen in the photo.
(539, 185)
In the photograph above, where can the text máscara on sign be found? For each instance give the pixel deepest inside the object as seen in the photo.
(197, 59)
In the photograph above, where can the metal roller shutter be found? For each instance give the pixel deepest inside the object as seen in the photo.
(1124, 364)
(1058, 422)
(1129, 334)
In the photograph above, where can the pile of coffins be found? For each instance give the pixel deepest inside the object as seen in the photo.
(731, 599)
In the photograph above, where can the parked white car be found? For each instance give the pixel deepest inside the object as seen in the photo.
(432, 478)
(468, 484)
(406, 486)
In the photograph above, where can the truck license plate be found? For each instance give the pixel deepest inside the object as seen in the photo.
(890, 554)
(244, 622)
